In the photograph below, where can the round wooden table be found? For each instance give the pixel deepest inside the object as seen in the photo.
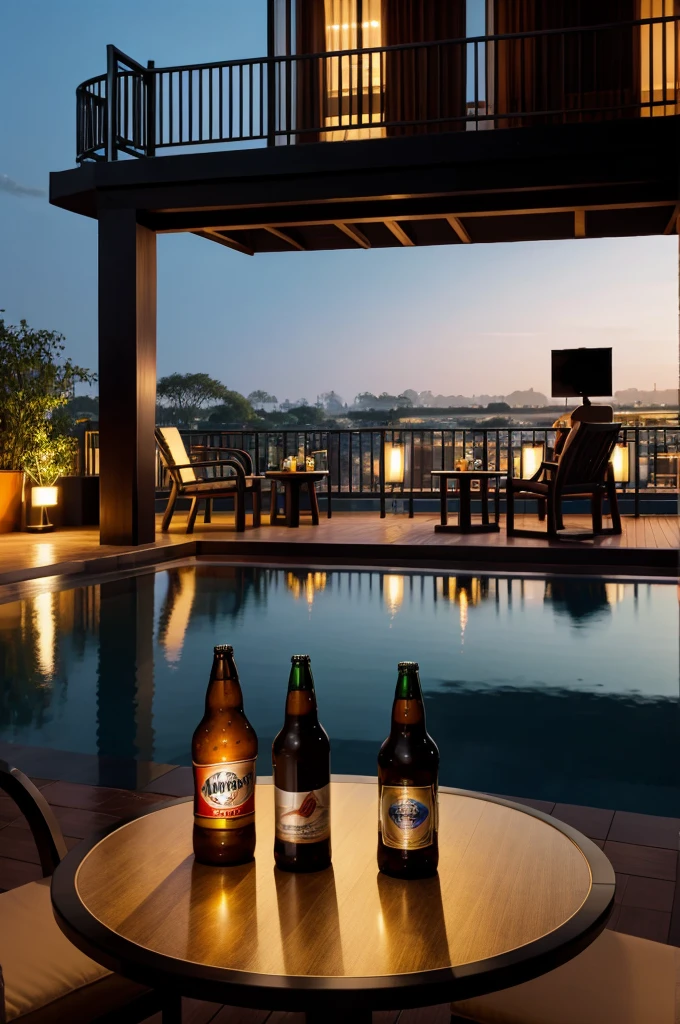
(517, 894)
(292, 484)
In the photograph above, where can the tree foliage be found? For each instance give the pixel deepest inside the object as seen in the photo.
(258, 399)
(185, 394)
(234, 409)
(36, 383)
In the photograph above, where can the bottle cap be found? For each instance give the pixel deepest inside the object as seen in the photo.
(224, 649)
(298, 658)
(408, 664)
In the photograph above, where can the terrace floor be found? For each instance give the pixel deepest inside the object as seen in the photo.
(642, 848)
(648, 545)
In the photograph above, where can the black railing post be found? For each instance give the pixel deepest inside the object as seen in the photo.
(150, 90)
(636, 508)
(111, 103)
(382, 474)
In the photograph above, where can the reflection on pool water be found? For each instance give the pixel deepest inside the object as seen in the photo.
(560, 688)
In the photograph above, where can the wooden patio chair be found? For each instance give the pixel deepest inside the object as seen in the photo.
(187, 483)
(582, 470)
(618, 979)
(46, 979)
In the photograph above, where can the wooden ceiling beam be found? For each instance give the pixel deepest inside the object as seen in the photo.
(674, 223)
(293, 242)
(166, 223)
(459, 229)
(397, 230)
(353, 233)
(579, 223)
(231, 243)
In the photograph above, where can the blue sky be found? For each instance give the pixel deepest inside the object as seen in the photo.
(457, 320)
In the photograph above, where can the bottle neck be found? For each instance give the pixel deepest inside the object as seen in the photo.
(224, 688)
(301, 697)
(408, 710)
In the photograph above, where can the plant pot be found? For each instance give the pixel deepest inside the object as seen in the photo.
(11, 496)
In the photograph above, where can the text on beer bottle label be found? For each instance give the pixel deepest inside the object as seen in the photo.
(225, 790)
(407, 816)
(303, 817)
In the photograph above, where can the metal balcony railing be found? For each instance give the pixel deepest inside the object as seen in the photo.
(647, 463)
(558, 76)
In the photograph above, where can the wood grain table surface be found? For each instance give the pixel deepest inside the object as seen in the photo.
(516, 894)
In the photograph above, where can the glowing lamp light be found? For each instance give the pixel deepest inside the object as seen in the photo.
(43, 498)
(532, 457)
(394, 462)
(620, 461)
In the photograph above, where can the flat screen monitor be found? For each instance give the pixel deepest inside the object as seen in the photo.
(577, 372)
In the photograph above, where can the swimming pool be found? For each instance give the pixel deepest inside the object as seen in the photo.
(560, 688)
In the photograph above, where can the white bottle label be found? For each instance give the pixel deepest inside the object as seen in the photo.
(303, 817)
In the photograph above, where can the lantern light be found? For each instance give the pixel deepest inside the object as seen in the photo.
(620, 461)
(394, 462)
(532, 456)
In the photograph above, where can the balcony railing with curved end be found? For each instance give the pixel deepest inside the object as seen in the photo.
(603, 72)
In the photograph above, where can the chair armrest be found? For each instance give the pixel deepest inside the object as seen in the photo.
(245, 456)
(549, 467)
(39, 815)
(213, 463)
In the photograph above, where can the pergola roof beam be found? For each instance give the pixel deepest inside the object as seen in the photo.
(231, 243)
(353, 233)
(293, 242)
(399, 232)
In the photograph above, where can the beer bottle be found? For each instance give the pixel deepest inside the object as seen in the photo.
(408, 765)
(223, 750)
(301, 757)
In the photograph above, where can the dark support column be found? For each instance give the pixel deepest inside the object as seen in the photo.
(127, 378)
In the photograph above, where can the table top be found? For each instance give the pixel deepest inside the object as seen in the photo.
(285, 474)
(517, 893)
(467, 472)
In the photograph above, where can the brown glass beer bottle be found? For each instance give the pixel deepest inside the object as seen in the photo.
(223, 750)
(301, 758)
(408, 768)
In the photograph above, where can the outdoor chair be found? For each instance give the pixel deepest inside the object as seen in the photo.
(44, 979)
(619, 979)
(583, 470)
(187, 483)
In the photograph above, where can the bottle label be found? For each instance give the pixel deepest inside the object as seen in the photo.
(224, 793)
(407, 816)
(303, 817)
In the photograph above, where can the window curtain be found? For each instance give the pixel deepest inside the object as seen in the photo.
(577, 74)
(310, 37)
(427, 84)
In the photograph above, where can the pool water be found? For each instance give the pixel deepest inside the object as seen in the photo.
(562, 688)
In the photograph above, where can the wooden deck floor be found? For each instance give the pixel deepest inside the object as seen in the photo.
(649, 544)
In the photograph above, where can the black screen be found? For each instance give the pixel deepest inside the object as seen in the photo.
(581, 371)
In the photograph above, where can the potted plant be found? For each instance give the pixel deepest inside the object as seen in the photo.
(35, 385)
(51, 457)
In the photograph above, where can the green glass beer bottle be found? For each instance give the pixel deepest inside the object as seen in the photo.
(408, 768)
(301, 758)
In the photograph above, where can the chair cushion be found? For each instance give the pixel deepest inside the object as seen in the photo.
(46, 978)
(618, 979)
(229, 483)
(178, 453)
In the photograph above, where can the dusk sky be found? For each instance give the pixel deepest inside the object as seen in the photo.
(454, 320)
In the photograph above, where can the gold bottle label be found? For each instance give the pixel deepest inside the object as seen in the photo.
(303, 817)
(224, 794)
(407, 816)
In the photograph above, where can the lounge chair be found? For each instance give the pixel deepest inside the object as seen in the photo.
(187, 483)
(582, 470)
(46, 979)
(619, 979)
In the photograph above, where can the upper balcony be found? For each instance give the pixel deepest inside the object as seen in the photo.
(360, 84)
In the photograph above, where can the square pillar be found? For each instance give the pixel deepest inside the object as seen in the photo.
(127, 379)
